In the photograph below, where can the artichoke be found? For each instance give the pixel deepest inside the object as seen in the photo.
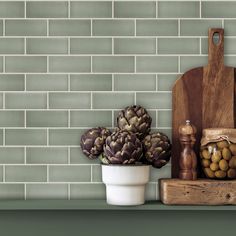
(136, 120)
(122, 147)
(157, 149)
(92, 141)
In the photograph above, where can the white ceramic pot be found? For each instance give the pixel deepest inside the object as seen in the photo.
(125, 185)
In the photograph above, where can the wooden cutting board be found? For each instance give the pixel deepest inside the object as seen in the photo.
(205, 96)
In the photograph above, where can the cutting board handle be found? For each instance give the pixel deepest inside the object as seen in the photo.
(216, 49)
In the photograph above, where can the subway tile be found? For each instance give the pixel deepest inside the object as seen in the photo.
(87, 191)
(46, 46)
(156, 64)
(135, 46)
(91, 9)
(12, 82)
(12, 9)
(1, 173)
(1, 100)
(11, 155)
(11, 118)
(69, 64)
(113, 64)
(69, 27)
(12, 191)
(77, 157)
(178, 46)
(181, 9)
(69, 100)
(47, 155)
(25, 100)
(154, 100)
(230, 61)
(166, 82)
(91, 46)
(26, 27)
(164, 118)
(112, 100)
(46, 118)
(16, 173)
(46, 191)
(229, 27)
(1, 27)
(11, 45)
(198, 27)
(26, 64)
(91, 82)
(157, 27)
(96, 173)
(134, 82)
(218, 9)
(150, 192)
(65, 137)
(53, 9)
(26, 137)
(190, 62)
(1, 64)
(135, 9)
(69, 173)
(1, 137)
(113, 27)
(164, 172)
(90, 118)
(166, 131)
(46, 82)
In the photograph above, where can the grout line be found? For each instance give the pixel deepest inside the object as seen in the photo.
(135, 98)
(156, 83)
(91, 173)
(135, 62)
(48, 137)
(47, 173)
(223, 24)
(179, 64)
(68, 189)
(112, 118)
(200, 46)
(91, 98)
(4, 64)
(113, 7)
(25, 118)
(47, 34)
(135, 28)
(91, 27)
(25, 155)
(69, 6)
(157, 46)
(113, 82)
(178, 27)
(3, 100)
(68, 155)
(200, 9)
(25, 191)
(4, 27)
(3, 136)
(68, 83)
(25, 8)
(3, 174)
(68, 46)
(68, 118)
(157, 9)
(157, 119)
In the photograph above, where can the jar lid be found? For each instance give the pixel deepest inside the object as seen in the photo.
(187, 129)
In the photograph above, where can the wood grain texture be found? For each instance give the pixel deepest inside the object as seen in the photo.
(197, 192)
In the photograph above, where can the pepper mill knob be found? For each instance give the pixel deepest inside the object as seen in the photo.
(187, 129)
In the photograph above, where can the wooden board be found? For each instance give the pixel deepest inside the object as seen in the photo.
(205, 96)
(197, 192)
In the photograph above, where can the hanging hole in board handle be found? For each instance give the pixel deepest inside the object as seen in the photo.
(216, 38)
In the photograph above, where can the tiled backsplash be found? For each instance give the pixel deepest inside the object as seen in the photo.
(67, 66)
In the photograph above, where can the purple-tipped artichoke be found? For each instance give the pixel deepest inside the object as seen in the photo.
(136, 120)
(92, 142)
(122, 147)
(157, 149)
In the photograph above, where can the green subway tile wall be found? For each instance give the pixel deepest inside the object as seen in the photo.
(66, 66)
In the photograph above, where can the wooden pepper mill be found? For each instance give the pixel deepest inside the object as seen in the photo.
(188, 158)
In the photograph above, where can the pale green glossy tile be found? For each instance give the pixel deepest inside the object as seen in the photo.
(156, 64)
(46, 191)
(113, 64)
(69, 64)
(25, 100)
(157, 27)
(91, 46)
(178, 46)
(69, 173)
(46, 118)
(26, 64)
(91, 82)
(218, 9)
(11, 155)
(135, 9)
(46, 82)
(96, 173)
(69, 100)
(47, 155)
(12, 82)
(1, 27)
(180, 9)
(1, 137)
(190, 62)
(134, 82)
(12, 191)
(112, 100)
(53, 9)
(65, 137)
(69, 27)
(1, 173)
(1, 100)
(11, 46)
(150, 192)
(16, 173)
(91, 9)
(46, 46)
(166, 82)
(26, 137)
(166, 131)
(164, 172)
(229, 27)
(11, 9)
(198, 27)
(87, 191)
(90, 118)
(77, 157)
(164, 119)
(26, 27)
(135, 46)
(1, 64)
(230, 61)
(113, 27)
(154, 100)
(11, 118)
